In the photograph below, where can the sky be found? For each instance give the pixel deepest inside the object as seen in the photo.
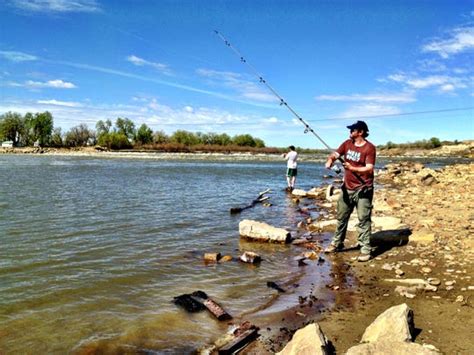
(405, 67)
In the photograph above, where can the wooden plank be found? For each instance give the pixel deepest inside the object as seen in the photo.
(239, 342)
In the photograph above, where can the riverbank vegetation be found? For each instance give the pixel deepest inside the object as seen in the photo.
(38, 130)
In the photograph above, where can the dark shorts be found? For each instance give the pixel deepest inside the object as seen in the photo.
(291, 172)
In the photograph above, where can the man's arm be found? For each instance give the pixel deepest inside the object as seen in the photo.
(331, 159)
(369, 168)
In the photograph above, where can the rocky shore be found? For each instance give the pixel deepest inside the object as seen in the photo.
(424, 227)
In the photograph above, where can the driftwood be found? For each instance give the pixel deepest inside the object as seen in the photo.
(272, 284)
(197, 301)
(242, 336)
(261, 197)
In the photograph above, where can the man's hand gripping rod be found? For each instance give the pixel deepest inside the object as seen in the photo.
(282, 101)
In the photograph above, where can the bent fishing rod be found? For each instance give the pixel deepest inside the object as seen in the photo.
(273, 91)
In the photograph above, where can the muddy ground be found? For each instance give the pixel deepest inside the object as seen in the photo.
(438, 210)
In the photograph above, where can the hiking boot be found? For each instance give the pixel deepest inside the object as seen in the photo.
(364, 257)
(332, 249)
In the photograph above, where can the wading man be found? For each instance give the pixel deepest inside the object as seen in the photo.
(357, 190)
(291, 171)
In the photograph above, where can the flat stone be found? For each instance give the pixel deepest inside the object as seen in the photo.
(299, 193)
(422, 237)
(395, 324)
(391, 348)
(307, 341)
(263, 232)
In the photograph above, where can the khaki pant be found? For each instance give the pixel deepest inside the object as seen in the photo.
(362, 201)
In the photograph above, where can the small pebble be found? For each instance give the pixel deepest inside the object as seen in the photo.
(450, 283)
(399, 272)
(460, 299)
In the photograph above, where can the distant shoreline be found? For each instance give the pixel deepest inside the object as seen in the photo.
(460, 151)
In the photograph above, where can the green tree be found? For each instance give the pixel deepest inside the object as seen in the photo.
(160, 137)
(244, 140)
(126, 127)
(57, 138)
(42, 125)
(435, 142)
(144, 135)
(103, 127)
(12, 127)
(184, 137)
(28, 136)
(223, 139)
(79, 136)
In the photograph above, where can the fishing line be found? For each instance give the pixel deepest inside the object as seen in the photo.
(272, 90)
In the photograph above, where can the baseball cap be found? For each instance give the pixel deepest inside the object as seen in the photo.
(359, 125)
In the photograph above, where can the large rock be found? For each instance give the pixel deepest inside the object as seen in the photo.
(387, 223)
(395, 324)
(263, 232)
(309, 340)
(391, 348)
(422, 237)
(299, 193)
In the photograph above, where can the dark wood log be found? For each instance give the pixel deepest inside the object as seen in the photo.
(239, 342)
(261, 197)
(212, 306)
(198, 301)
(216, 310)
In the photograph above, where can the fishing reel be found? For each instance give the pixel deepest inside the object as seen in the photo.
(337, 169)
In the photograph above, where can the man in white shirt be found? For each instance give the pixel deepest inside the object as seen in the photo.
(291, 172)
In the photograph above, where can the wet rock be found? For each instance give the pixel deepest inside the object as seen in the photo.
(308, 340)
(225, 258)
(299, 193)
(310, 255)
(212, 257)
(263, 232)
(250, 257)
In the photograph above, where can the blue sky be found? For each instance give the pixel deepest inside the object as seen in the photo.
(410, 63)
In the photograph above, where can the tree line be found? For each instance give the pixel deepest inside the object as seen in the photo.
(421, 144)
(39, 128)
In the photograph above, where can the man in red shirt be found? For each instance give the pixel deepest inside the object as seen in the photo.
(357, 190)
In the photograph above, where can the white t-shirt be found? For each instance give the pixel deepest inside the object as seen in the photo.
(292, 156)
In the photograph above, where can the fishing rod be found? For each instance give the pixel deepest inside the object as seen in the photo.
(273, 91)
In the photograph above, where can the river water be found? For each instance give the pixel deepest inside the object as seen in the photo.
(93, 250)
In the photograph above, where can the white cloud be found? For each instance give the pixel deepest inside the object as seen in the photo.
(17, 56)
(59, 103)
(271, 120)
(162, 68)
(56, 5)
(403, 97)
(369, 110)
(431, 81)
(459, 40)
(55, 84)
(235, 81)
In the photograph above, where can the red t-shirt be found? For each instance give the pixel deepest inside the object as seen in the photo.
(359, 157)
